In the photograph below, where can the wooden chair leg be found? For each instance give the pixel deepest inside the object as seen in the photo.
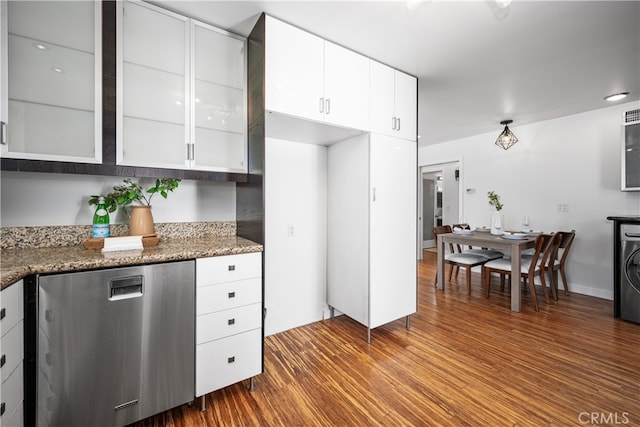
(532, 287)
(565, 283)
(486, 284)
(468, 273)
(553, 278)
(543, 284)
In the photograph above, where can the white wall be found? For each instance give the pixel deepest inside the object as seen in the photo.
(32, 199)
(573, 160)
(295, 265)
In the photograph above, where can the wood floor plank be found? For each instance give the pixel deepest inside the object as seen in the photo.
(465, 361)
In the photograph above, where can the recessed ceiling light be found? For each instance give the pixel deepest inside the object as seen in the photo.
(616, 96)
(58, 70)
(40, 46)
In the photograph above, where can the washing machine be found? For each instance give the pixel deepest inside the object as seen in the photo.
(630, 272)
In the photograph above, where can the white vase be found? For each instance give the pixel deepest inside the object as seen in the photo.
(497, 223)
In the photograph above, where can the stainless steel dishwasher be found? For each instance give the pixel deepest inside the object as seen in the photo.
(115, 346)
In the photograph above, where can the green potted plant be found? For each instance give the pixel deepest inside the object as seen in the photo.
(132, 194)
(497, 218)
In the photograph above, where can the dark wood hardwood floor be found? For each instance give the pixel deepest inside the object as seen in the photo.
(465, 361)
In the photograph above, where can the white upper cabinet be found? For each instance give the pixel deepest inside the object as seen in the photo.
(393, 102)
(181, 92)
(218, 100)
(51, 105)
(314, 79)
(346, 87)
(294, 71)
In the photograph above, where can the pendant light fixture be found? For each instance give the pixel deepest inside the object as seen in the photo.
(506, 139)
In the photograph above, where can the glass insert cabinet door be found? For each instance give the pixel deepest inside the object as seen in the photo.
(51, 80)
(181, 92)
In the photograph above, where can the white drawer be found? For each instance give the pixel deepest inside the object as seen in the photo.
(12, 306)
(12, 350)
(227, 361)
(228, 295)
(12, 395)
(222, 324)
(228, 268)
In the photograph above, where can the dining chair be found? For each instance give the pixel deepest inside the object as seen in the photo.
(488, 253)
(458, 259)
(529, 268)
(558, 264)
(547, 260)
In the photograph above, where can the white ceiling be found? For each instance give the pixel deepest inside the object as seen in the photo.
(477, 64)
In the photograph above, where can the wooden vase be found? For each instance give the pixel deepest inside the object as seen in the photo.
(141, 221)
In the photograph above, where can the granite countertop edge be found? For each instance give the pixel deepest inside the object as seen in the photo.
(15, 264)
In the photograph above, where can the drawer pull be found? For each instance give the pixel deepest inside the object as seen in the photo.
(232, 294)
(1, 408)
(231, 322)
(3, 314)
(3, 360)
(232, 268)
(229, 360)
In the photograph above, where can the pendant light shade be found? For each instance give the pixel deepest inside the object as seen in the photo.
(506, 139)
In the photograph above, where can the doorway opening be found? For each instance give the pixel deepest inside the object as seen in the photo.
(439, 194)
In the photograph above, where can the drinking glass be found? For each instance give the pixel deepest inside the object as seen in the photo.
(525, 221)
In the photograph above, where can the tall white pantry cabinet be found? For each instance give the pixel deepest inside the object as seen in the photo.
(371, 171)
(371, 266)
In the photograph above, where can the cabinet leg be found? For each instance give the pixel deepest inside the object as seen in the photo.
(408, 322)
(332, 312)
(252, 384)
(203, 406)
(368, 335)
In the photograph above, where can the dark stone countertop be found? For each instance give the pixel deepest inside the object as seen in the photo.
(16, 264)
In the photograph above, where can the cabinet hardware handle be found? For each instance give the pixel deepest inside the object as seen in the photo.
(231, 322)
(321, 108)
(3, 133)
(398, 121)
(3, 360)
(229, 360)
(3, 313)
(328, 105)
(374, 194)
(188, 152)
(2, 408)
(193, 151)
(393, 123)
(232, 268)
(232, 294)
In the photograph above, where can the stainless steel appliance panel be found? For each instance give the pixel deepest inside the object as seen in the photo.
(630, 272)
(115, 346)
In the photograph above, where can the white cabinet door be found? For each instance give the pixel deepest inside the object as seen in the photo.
(294, 71)
(152, 87)
(218, 102)
(346, 87)
(393, 102)
(392, 241)
(382, 99)
(406, 106)
(51, 81)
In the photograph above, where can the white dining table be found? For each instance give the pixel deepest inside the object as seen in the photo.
(487, 240)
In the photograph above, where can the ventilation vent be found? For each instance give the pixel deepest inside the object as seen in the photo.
(632, 116)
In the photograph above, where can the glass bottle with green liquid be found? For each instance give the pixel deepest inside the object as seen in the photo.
(100, 220)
